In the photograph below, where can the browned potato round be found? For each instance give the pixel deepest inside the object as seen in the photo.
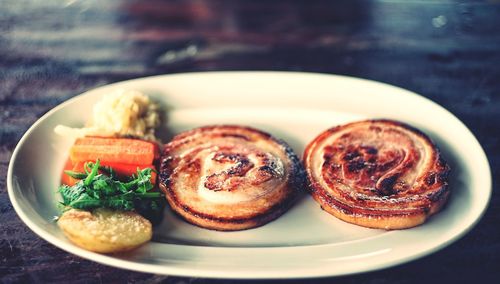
(104, 230)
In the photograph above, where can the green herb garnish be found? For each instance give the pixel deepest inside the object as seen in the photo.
(96, 190)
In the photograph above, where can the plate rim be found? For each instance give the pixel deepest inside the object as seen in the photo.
(190, 272)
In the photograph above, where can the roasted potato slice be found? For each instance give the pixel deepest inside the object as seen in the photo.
(104, 230)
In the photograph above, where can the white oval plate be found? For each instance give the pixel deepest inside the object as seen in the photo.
(305, 241)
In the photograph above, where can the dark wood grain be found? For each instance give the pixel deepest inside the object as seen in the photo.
(53, 50)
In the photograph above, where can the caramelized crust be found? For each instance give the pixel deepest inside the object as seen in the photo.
(229, 177)
(377, 173)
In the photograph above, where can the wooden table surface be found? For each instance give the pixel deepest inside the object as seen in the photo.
(53, 50)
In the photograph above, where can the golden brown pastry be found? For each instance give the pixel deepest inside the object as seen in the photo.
(377, 173)
(229, 177)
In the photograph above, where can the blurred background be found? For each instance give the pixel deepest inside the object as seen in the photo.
(52, 50)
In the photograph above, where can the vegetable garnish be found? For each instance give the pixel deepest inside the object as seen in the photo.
(114, 150)
(96, 190)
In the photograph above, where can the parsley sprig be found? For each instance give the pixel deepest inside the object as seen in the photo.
(96, 190)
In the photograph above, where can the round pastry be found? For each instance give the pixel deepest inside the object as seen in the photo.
(229, 177)
(377, 173)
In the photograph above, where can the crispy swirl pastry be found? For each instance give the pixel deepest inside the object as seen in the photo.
(377, 173)
(229, 177)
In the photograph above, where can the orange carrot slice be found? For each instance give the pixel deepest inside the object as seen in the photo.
(125, 170)
(66, 179)
(122, 171)
(114, 150)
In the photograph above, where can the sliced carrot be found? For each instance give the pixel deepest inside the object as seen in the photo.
(65, 179)
(114, 150)
(122, 170)
(125, 170)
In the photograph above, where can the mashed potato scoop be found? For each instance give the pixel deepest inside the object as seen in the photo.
(121, 113)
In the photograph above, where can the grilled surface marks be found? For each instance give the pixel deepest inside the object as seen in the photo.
(229, 177)
(377, 173)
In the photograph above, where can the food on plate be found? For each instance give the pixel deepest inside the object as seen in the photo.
(123, 155)
(109, 179)
(109, 219)
(104, 230)
(99, 187)
(229, 177)
(114, 150)
(121, 113)
(121, 171)
(377, 173)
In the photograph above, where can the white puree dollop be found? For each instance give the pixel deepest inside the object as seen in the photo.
(121, 113)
